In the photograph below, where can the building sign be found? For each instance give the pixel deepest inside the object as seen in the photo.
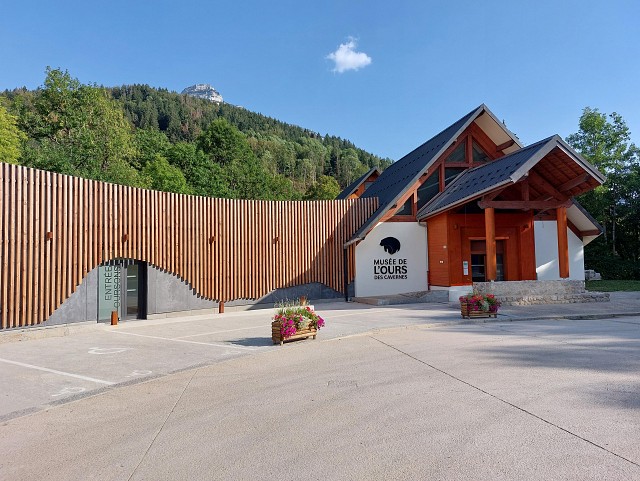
(388, 267)
(392, 259)
(109, 291)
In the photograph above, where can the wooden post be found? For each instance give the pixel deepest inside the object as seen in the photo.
(563, 242)
(490, 234)
(220, 307)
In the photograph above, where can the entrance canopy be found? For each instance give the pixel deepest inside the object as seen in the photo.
(543, 176)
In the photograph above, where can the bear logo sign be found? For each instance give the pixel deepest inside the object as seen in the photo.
(390, 245)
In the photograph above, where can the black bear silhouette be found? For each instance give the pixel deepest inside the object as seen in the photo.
(390, 244)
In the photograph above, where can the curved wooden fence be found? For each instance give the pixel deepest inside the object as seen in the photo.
(56, 228)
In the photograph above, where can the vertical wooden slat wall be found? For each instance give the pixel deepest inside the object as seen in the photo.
(55, 228)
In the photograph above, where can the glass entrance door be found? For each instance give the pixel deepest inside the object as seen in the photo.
(479, 260)
(136, 291)
(109, 291)
(122, 289)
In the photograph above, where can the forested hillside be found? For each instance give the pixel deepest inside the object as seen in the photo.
(147, 137)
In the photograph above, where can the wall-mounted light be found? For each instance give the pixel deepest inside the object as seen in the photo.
(48, 236)
(212, 239)
(275, 239)
(125, 237)
(455, 226)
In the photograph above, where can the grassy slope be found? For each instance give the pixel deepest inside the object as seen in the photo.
(613, 285)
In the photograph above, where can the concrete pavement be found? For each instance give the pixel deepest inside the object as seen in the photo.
(550, 399)
(47, 369)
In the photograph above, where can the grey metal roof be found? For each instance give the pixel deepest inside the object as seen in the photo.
(354, 185)
(402, 174)
(508, 169)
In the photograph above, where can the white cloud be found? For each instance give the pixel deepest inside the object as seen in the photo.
(346, 57)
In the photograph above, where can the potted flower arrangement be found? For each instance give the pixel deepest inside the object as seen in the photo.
(479, 305)
(291, 323)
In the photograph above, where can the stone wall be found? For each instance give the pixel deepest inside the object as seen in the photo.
(523, 293)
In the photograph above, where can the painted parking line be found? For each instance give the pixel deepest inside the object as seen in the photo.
(221, 332)
(54, 371)
(225, 346)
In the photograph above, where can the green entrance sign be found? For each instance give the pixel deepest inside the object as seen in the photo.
(109, 291)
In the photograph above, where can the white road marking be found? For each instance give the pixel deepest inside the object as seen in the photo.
(139, 373)
(107, 350)
(226, 346)
(219, 332)
(69, 390)
(53, 371)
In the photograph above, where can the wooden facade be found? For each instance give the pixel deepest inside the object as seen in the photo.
(56, 228)
(450, 236)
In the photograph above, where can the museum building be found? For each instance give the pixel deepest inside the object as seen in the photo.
(471, 205)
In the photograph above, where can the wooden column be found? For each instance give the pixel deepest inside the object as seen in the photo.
(490, 234)
(563, 242)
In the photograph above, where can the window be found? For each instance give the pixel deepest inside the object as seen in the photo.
(479, 155)
(428, 189)
(458, 155)
(406, 209)
(450, 174)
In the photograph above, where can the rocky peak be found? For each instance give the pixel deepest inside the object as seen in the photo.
(204, 91)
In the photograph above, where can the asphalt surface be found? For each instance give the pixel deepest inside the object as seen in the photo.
(398, 392)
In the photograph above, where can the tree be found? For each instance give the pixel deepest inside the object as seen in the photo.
(604, 140)
(227, 148)
(164, 176)
(11, 138)
(326, 188)
(150, 143)
(224, 143)
(83, 131)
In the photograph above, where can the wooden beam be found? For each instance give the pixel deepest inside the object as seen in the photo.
(570, 184)
(539, 181)
(490, 235)
(492, 195)
(505, 145)
(563, 242)
(574, 229)
(524, 187)
(523, 205)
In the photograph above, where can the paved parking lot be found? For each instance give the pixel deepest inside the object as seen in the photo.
(42, 372)
(545, 399)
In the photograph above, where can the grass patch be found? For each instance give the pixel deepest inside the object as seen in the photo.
(612, 285)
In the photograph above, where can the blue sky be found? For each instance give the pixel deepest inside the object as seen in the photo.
(536, 64)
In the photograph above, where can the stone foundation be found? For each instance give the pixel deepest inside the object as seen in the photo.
(524, 293)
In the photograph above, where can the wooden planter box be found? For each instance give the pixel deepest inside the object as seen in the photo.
(468, 314)
(300, 334)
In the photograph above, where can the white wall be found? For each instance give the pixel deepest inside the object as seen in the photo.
(546, 237)
(409, 261)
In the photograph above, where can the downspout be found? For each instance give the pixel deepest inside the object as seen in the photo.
(345, 257)
(345, 260)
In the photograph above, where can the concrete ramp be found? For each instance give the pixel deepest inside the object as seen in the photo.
(425, 297)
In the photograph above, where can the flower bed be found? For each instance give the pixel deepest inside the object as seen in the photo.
(292, 323)
(479, 305)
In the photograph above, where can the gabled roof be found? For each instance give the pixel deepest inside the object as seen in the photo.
(509, 169)
(404, 173)
(354, 185)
